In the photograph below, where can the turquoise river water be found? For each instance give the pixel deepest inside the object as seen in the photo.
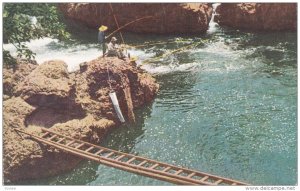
(227, 106)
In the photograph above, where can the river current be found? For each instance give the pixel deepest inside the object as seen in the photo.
(227, 106)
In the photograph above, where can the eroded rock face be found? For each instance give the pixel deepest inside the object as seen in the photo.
(258, 16)
(15, 111)
(12, 76)
(74, 104)
(166, 17)
(87, 129)
(27, 159)
(24, 158)
(48, 84)
(132, 85)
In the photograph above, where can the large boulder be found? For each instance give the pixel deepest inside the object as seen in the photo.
(258, 16)
(166, 17)
(98, 77)
(73, 104)
(48, 84)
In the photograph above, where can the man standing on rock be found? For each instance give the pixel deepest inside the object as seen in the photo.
(113, 49)
(101, 38)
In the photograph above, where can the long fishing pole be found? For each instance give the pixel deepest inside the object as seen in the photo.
(166, 54)
(117, 23)
(146, 17)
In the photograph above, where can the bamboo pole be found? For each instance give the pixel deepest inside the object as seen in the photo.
(117, 23)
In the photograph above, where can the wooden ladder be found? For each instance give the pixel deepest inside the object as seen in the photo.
(129, 162)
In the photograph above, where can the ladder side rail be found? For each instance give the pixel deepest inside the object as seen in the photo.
(118, 163)
(197, 173)
(189, 171)
(108, 163)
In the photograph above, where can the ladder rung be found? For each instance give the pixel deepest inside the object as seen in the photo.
(87, 150)
(60, 140)
(109, 154)
(132, 163)
(178, 172)
(191, 175)
(98, 152)
(70, 143)
(132, 159)
(78, 146)
(52, 137)
(142, 163)
(166, 169)
(120, 157)
(154, 166)
(204, 178)
(218, 182)
(47, 133)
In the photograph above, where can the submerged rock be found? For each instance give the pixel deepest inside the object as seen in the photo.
(167, 17)
(74, 104)
(258, 16)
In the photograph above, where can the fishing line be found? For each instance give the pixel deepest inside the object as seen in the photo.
(171, 52)
(139, 19)
(156, 43)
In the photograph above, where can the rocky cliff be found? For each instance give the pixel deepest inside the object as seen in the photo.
(75, 104)
(258, 16)
(166, 17)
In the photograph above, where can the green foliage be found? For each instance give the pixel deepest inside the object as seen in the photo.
(25, 21)
(9, 60)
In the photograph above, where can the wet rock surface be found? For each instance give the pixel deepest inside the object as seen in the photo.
(258, 16)
(73, 104)
(166, 17)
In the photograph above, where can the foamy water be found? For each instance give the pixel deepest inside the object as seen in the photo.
(50, 49)
(170, 68)
(213, 26)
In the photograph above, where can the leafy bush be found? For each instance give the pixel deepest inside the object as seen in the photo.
(25, 21)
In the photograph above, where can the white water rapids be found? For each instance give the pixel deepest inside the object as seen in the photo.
(51, 49)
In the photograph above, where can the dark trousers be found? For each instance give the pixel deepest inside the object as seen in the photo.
(103, 49)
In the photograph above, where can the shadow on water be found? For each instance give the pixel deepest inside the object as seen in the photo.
(80, 33)
(278, 49)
